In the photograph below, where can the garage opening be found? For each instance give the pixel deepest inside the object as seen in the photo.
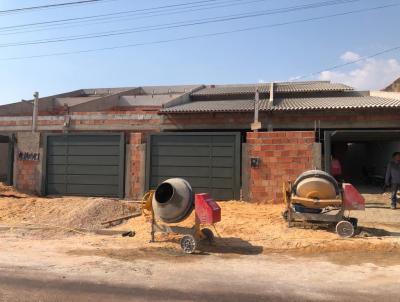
(6, 159)
(363, 156)
(85, 165)
(209, 161)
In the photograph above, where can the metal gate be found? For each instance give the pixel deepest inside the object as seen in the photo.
(209, 161)
(85, 165)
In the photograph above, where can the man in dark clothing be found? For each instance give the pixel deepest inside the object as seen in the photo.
(393, 177)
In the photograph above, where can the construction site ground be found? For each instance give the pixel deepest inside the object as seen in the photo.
(49, 251)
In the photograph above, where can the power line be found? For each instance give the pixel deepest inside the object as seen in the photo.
(221, 33)
(64, 4)
(146, 12)
(180, 24)
(364, 58)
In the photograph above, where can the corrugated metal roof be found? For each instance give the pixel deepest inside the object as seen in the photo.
(357, 102)
(287, 87)
(288, 104)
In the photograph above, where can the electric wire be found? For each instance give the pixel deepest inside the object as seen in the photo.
(361, 59)
(56, 5)
(123, 16)
(206, 35)
(180, 24)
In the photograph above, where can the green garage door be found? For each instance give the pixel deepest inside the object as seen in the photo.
(86, 165)
(209, 161)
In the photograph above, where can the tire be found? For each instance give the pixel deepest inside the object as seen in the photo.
(209, 235)
(345, 229)
(188, 244)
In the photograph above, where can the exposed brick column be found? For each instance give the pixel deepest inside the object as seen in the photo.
(27, 176)
(284, 155)
(136, 165)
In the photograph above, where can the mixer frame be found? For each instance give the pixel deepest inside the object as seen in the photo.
(191, 236)
(345, 226)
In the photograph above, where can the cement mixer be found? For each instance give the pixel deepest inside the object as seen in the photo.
(173, 202)
(316, 198)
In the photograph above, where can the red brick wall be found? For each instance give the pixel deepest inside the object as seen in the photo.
(284, 155)
(136, 164)
(27, 176)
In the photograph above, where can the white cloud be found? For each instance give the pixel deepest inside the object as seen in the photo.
(371, 74)
(350, 56)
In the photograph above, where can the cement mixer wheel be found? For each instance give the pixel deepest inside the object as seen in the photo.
(345, 229)
(188, 244)
(209, 235)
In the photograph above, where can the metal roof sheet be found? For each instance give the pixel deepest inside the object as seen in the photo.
(287, 104)
(287, 87)
(355, 102)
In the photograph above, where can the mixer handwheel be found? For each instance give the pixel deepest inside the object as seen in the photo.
(188, 244)
(345, 229)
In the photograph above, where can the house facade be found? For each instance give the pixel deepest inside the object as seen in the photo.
(122, 142)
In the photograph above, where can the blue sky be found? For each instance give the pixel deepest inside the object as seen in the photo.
(268, 54)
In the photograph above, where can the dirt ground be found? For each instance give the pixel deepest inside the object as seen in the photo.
(255, 257)
(252, 228)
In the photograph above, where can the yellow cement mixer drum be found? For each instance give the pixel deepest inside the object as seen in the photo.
(316, 184)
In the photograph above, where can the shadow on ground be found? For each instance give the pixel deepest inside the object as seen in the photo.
(227, 246)
(376, 232)
(231, 245)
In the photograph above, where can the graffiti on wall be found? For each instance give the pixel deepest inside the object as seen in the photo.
(28, 156)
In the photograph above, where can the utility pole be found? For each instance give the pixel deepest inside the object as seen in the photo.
(35, 111)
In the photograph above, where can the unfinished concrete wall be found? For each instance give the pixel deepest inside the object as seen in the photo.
(28, 168)
(283, 156)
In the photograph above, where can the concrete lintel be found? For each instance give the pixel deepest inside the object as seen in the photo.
(102, 103)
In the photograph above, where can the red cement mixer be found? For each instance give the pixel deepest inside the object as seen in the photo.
(173, 202)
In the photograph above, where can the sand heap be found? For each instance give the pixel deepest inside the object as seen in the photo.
(10, 191)
(70, 212)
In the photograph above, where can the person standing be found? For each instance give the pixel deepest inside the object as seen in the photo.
(392, 178)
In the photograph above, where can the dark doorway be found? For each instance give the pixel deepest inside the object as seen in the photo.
(6, 159)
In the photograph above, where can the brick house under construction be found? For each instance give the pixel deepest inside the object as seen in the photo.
(121, 142)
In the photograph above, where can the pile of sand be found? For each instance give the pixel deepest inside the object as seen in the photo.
(68, 212)
(10, 191)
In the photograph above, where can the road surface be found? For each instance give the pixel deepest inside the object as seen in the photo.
(78, 269)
